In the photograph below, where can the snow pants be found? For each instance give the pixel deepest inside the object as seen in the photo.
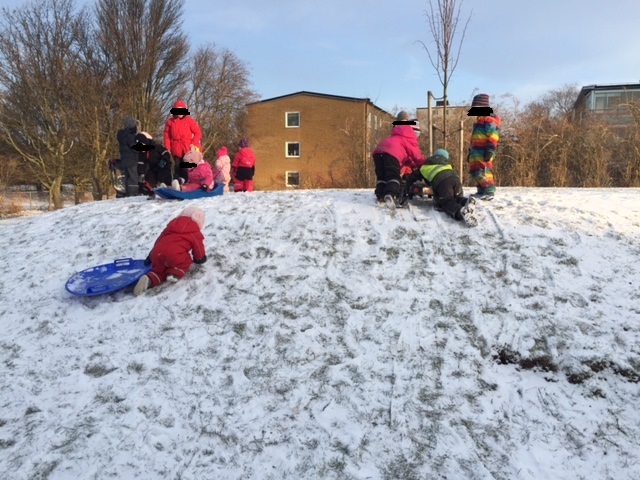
(388, 180)
(243, 179)
(167, 263)
(131, 180)
(481, 172)
(159, 175)
(179, 171)
(449, 196)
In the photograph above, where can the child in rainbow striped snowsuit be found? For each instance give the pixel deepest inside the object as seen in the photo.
(484, 142)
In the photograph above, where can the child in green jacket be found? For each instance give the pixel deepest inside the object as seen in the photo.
(446, 186)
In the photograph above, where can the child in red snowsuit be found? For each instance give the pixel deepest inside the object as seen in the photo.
(243, 168)
(171, 255)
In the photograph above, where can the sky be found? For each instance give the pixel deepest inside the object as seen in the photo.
(369, 49)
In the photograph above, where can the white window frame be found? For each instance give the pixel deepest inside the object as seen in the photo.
(286, 179)
(286, 120)
(286, 149)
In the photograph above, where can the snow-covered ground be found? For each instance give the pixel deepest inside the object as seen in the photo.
(326, 339)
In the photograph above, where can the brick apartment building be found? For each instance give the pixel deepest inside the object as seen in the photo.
(313, 140)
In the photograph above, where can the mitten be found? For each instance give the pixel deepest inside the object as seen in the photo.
(200, 261)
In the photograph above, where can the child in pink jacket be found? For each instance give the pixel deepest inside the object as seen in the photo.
(397, 150)
(223, 167)
(243, 168)
(200, 175)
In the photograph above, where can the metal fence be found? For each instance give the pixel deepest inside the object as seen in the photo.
(29, 198)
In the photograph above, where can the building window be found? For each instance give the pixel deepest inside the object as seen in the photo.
(293, 119)
(292, 179)
(293, 149)
(611, 100)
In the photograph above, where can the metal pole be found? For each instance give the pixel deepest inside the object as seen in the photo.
(430, 121)
(461, 149)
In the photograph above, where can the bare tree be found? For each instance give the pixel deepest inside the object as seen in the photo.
(217, 91)
(95, 123)
(144, 43)
(38, 49)
(443, 20)
(354, 168)
(560, 101)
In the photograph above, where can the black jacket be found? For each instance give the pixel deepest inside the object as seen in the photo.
(126, 139)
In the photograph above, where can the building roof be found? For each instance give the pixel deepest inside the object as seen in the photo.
(611, 86)
(321, 95)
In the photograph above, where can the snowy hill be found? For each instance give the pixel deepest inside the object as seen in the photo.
(325, 339)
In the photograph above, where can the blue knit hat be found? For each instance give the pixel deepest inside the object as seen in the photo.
(442, 152)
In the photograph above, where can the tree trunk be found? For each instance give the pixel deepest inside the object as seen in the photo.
(55, 194)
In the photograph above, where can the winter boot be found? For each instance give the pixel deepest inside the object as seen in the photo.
(176, 185)
(471, 204)
(141, 286)
(390, 202)
(468, 217)
(172, 278)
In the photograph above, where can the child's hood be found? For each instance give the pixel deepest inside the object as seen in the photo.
(222, 151)
(403, 131)
(193, 156)
(194, 213)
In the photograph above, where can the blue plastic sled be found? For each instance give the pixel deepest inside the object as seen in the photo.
(107, 278)
(171, 194)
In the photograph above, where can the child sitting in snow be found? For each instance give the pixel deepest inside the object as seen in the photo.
(170, 258)
(200, 173)
(154, 163)
(446, 186)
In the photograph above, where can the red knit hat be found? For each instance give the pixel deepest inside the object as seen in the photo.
(222, 151)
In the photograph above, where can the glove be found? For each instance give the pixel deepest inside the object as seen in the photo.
(200, 261)
(415, 190)
(147, 261)
(204, 188)
(488, 155)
